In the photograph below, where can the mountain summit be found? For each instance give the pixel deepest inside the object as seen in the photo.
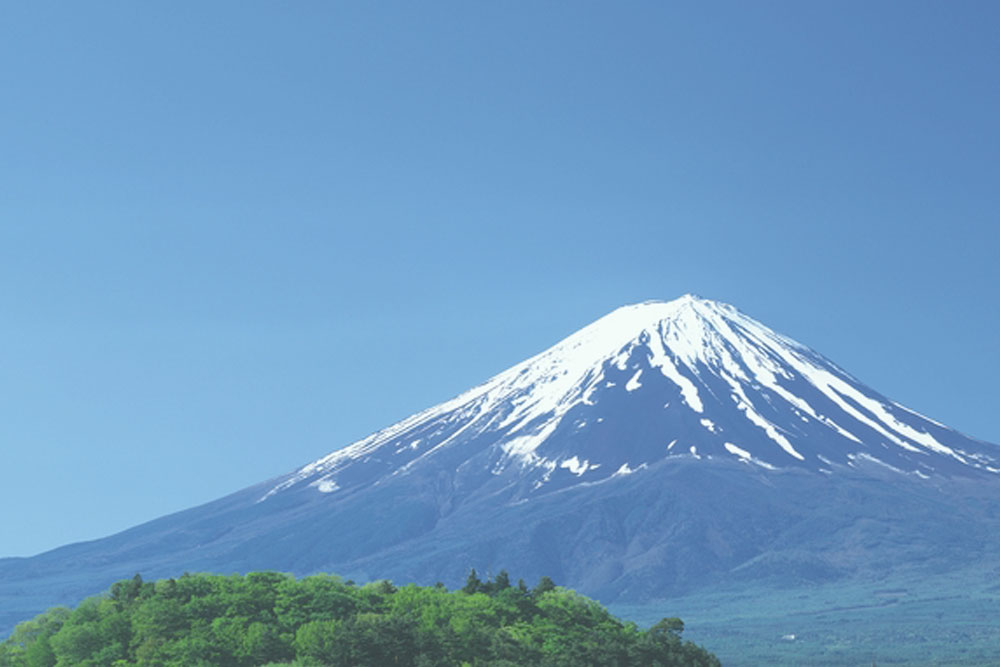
(690, 378)
(664, 448)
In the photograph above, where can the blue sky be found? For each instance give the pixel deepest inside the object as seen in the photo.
(237, 236)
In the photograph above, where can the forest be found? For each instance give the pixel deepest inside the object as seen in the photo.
(270, 618)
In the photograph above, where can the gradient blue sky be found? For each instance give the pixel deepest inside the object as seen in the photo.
(235, 236)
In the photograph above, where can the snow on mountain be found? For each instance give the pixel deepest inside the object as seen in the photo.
(688, 378)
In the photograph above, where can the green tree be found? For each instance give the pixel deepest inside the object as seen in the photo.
(40, 653)
(544, 586)
(472, 583)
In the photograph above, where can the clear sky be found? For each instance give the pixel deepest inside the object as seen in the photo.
(235, 236)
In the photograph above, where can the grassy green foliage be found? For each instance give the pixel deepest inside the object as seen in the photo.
(270, 618)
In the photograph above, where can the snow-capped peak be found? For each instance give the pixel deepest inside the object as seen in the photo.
(692, 372)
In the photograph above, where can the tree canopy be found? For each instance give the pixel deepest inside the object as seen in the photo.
(268, 618)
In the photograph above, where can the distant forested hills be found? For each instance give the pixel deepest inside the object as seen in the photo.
(268, 618)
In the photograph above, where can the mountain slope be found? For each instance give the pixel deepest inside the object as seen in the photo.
(690, 377)
(666, 446)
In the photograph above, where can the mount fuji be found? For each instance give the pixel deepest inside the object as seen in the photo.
(689, 378)
(664, 448)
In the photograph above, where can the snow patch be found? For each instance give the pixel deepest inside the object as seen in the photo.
(325, 485)
(864, 456)
(744, 405)
(634, 383)
(575, 466)
(738, 451)
(660, 359)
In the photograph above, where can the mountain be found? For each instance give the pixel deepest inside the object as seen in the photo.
(685, 378)
(667, 447)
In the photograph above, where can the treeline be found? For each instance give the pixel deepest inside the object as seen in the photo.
(267, 618)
